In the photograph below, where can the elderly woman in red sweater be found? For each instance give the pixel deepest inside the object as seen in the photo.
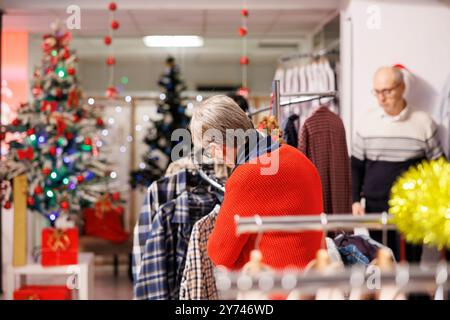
(268, 179)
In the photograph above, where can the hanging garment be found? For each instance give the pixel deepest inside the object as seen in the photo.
(323, 141)
(158, 193)
(165, 249)
(198, 281)
(442, 118)
(290, 132)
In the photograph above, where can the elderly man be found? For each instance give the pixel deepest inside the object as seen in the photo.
(389, 139)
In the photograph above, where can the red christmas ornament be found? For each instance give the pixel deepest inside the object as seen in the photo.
(108, 40)
(115, 24)
(80, 178)
(58, 92)
(242, 31)
(100, 122)
(71, 71)
(52, 151)
(30, 131)
(110, 61)
(112, 6)
(88, 141)
(244, 12)
(64, 205)
(69, 135)
(244, 60)
(2, 136)
(111, 92)
(66, 54)
(45, 172)
(30, 201)
(7, 205)
(115, 196)
(38, 189)
(15, 122)
(76, 118)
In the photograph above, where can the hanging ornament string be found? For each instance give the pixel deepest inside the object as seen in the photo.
(244, 61)
(111, 91)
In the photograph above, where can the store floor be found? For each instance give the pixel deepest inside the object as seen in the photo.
(106, 286)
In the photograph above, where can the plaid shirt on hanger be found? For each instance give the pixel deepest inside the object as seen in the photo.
(165, 249)
(158, 193)
(198, 282)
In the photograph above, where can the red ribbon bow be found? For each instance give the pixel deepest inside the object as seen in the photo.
(26, 154)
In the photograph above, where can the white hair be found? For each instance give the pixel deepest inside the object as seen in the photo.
(219, 114)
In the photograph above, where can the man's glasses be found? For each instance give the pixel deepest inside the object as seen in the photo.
(385, 92)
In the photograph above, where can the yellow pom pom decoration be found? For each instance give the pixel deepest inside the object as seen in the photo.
(420, 203)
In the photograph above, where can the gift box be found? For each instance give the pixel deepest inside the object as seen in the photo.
(59, 246)
(43, 293)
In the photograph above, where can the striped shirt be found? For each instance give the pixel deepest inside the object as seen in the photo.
(386, 146)
(409, 135)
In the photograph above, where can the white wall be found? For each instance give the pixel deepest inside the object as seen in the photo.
(415, 33)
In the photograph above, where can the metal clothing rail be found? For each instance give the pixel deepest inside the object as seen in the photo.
(323, 222)
(406, 278)
(277, 103)
(320, 53)
(302, 98)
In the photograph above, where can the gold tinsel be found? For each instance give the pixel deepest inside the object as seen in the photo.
(420, 203)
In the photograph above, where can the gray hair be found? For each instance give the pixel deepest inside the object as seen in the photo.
(221, 115)
(398, 74)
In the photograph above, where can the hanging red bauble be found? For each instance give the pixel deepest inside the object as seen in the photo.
(115, 24)
(30, 201)
(7, 205)
(2, 136)
(69, 135)
(115, 196)
(64, 205)
(80, 178)
(112, 6)
(244, 60)
(71, 71)
(244, 12)
(108, 40)
(38, 189)
(58, 92)
(45, 172)
(15, 122)
(242, 31)
(52, 151)
(88, 141)
(66, 54)
(76, 118)
(30, 131)
(111, 92)
(110, 61)
(100, 122)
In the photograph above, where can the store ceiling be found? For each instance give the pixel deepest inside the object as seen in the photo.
(272, 19)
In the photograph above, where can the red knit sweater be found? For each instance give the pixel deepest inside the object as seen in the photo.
(294, 190)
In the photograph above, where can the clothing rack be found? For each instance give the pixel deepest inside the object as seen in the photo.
(304, 97)
(407, 278)
(277, 104)
(318, 54)
(211, 181)
(322, 222)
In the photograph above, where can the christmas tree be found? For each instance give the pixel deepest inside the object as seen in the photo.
(54, 138)
(171, 116)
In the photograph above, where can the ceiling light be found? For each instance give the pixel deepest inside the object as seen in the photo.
(173, 41)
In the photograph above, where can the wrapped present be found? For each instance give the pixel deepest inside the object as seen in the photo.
(105, 221)
(59, 246)
(43, 293)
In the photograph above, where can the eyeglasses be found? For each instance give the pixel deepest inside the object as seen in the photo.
(385, 92)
